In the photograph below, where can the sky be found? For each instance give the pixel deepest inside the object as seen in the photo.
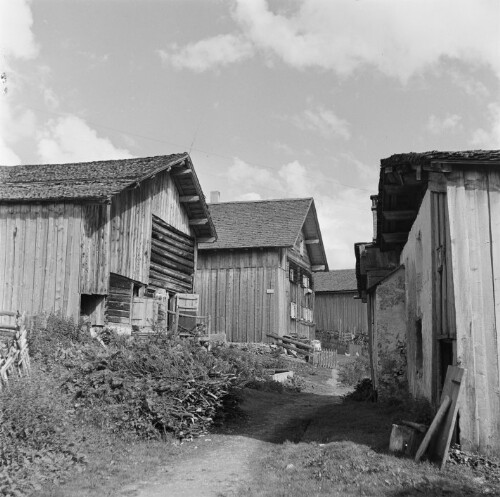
(271, 98)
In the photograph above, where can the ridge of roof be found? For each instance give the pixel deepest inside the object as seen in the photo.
(262, 200)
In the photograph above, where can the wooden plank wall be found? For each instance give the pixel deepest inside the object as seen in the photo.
(40, 255)
(473, 198)
(95, 262)
(340, 312)
(233, 290)
(131, 224)
(172, 258)
(166, 204)
(418, 259)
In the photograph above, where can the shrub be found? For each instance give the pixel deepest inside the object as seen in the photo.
(35, 438)
(353, 371)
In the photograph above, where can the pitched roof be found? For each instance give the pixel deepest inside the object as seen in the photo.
(83, 181)
(98, 182)
(265, 223)
(335, 281)
(425, 158)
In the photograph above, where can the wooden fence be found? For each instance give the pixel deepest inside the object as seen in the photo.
(326, 358)
(14, 357)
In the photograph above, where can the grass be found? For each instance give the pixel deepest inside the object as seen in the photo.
(344, 452)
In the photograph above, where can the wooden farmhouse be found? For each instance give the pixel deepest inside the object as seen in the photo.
(338, 307)
(100, 239)
(257, 277)
(431, 280)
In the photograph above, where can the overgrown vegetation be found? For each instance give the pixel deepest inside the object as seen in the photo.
(158, 388)
(352, 371)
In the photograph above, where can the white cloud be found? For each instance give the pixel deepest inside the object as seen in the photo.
(438, 126)
(220, 50)
(489, 139)
(399, 38)
(70, 139)
(249, 197)
(16, 38)
(324, 121)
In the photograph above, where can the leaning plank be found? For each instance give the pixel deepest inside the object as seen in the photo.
(443, 408)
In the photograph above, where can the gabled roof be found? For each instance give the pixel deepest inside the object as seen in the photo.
(340, 280)
(266, 223)
(426, 158)
(98, 182)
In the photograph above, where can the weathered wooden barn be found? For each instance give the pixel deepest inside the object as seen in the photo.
(431, 278)
(257, 277)
(100, 239)
(337, 307)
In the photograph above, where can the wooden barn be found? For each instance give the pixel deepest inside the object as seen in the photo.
(431, 279)
(257, 277)
(337, 307)
(100, 239)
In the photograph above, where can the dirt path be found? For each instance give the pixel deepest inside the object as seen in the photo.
(219, 464)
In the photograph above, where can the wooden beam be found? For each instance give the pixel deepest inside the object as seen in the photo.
(198, 222)
(399, 215)
(320, 267)
(189, 198)
(395, 237)
(209, 239)
(312, 241)
(181, 172)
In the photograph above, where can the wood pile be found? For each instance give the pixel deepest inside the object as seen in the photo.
(14, 357)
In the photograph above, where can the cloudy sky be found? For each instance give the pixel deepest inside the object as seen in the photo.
(272, 98)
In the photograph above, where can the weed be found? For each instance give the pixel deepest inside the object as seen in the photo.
(353, 371)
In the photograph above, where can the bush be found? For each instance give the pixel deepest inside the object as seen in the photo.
(34, 434)
(353, 371)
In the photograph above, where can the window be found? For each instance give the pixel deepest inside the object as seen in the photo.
(305, 281)
(293, 310)
(301, 247)
(292, 274)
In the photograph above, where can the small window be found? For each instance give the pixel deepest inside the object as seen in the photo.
(419, 355)
(138, 290)
(293, 274)
(302, 247)
(305, 281)
(293, 310)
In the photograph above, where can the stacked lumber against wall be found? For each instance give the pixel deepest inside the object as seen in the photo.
(40, 254)
(172, 258)
(473, 198)
(119, 302)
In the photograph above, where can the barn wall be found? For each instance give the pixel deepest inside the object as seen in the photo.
(473, 200)
(418, 262)
(40, 253)
(340, 311)
(389, 338)
(233, 291)
(95, 261)
(131, 224)
(166, 204)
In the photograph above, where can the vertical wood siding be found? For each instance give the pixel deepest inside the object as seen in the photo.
(474, 214)
(340, 312)
(40, 253)
(166, 204)
(95, 261)
(233, 291)
(119, 301)
(418, 259)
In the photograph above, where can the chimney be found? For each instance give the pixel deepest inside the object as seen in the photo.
(214, 197)
(374, 199)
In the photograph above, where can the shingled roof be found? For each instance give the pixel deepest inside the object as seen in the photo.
(265, 223)
(98, 182)
(340, 280)
(425, 158)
